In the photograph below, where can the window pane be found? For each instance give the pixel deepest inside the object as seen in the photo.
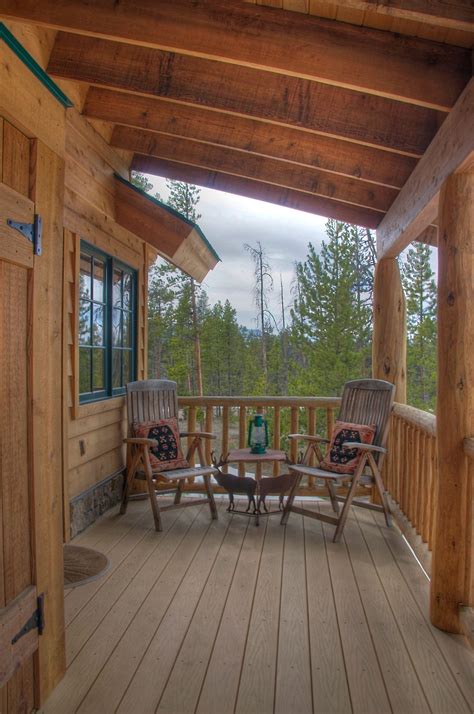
(127, 291)
(85, 278)
(117, 288)
(98, 325)
(127, 329)
(117, 328)
(98, 370)
(117, 369)
(85, 323)
(84, 370)
(99, 280)
(126, 366)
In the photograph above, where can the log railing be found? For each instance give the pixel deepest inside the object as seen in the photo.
(228, 418)
(409, 476)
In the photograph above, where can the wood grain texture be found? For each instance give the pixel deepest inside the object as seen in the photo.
(151, 593)
(47, 186)
(27, 104)
(250, 135)
(258, 190)
(378, 570)
(16, 159)
(271, 40)
(455, 14)
(452, 546)
(416, 206)
(268, 170)
(286, 100)
(14, 247)
(434, 673)
(293, 686)
(390, 336)
(221, 683)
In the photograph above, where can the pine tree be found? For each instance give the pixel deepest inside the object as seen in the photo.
(185, 198)
(420, 289)
(331, 314)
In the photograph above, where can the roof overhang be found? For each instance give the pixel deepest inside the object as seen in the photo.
(173, 236)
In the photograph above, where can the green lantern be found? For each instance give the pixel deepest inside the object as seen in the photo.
(258, 434)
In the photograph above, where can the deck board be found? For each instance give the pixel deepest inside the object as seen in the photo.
(216, 617)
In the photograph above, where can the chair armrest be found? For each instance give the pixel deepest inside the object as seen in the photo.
(363, 447)
(307, 437)
(140, 442)
(202, 434)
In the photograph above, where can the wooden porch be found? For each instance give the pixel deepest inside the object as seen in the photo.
(222, 616)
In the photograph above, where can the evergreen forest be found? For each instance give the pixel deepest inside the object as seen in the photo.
(310, 347)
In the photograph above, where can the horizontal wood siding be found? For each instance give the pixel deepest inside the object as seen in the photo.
(94, 432)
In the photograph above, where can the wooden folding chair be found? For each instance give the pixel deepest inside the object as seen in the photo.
(364, 402)
(150, 401)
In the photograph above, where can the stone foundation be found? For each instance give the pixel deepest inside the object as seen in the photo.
(88, 506)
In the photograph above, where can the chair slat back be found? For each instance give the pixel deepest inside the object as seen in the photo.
(150, 400)
(368, 401)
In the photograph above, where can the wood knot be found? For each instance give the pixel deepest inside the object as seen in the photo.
(451, 299)
(460, 384)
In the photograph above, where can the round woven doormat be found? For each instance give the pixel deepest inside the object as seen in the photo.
(81, 565)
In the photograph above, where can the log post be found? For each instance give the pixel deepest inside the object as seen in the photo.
(389, 344)
(452, 552)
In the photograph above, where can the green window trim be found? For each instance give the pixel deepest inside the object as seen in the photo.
(107, 334)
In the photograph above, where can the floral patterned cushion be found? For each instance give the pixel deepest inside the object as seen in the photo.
(345, 461)
(167, 455)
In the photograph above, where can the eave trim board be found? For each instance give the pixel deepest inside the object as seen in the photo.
(29, 61)
(170, 210)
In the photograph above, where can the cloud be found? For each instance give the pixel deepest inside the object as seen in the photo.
(229, 222)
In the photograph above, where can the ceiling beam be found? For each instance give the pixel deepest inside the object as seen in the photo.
(373, 61)
(362, 118)
(456, 14)
(237, 163)
(429, 236)
(416, 206)
(250, 135)
(255, 189)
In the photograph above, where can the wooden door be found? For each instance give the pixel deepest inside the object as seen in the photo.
(17, 589)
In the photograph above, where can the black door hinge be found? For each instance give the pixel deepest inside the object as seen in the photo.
(35, 622)
(32, 231)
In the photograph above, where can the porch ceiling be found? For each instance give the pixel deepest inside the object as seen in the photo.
(308, 112)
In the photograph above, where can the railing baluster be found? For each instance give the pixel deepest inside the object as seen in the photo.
(242, 434)
(311, 432)
(208, 442)
(294, 430)
(434, 472)
(329, 422)
(276, 438)
(191, 428)
(416, 477)
(225, 434)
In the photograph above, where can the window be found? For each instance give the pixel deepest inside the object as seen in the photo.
(107, 307)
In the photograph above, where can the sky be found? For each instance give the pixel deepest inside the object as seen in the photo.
(229, 222)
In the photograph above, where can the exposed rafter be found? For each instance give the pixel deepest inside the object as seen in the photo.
(416, 206)
(238, 163)
(456, 14)
(258, 190)
(250, 135)
(372, 61)
(367, 119)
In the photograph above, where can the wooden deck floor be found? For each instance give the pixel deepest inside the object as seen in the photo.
(223, 617)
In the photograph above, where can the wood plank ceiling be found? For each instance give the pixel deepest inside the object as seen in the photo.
(309, 112)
